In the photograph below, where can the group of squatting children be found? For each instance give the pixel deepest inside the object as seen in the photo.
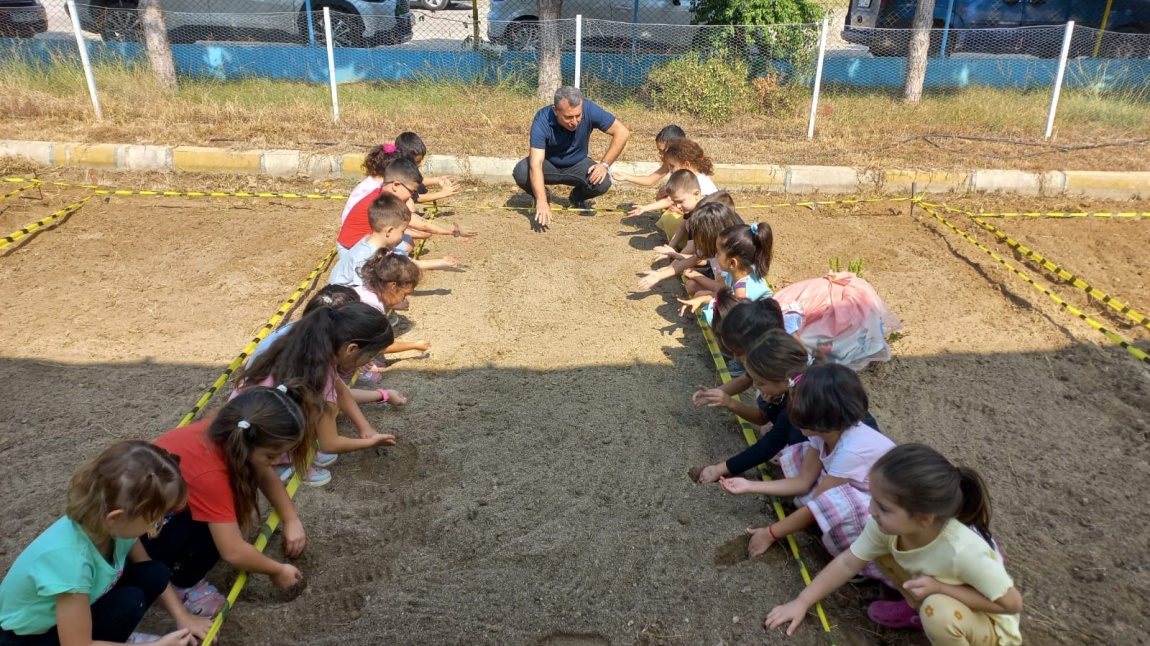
(145, 522)
(902, 515)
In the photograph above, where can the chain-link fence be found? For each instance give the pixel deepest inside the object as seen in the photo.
(645, 52)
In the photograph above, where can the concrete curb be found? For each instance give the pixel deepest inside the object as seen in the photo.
(793, 179)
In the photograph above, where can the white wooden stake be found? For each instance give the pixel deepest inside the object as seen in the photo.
(578, 47)
(1058, 78)
(818, 79)
(330, 63)
(82, 45)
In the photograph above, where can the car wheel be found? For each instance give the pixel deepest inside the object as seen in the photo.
(346, 28)
(523, 36)
(434, 5)
(119, 22)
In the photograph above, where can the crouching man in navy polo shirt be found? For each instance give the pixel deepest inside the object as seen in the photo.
(560, 135)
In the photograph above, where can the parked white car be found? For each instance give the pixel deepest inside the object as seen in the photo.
(355, 23)
(514, 24)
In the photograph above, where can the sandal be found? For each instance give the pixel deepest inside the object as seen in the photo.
(202, 599)
(142, 638)
(894, 614)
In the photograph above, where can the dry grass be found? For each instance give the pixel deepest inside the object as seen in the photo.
(864, 129)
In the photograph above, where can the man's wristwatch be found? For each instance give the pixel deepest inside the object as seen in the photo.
(606, 165)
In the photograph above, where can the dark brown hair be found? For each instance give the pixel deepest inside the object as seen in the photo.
(746, 323)
(724, 301)
(331, 296)
(750, 245)
(135, 476)
(682, 181)
(670, 133)
(257, 418)
(922, 481)
(688, 153)
(722, 197)
(778, 356)
(409, 146)
(708, 220)
(388, 267)
(828, 399)
(402, 170)
(304, 357)
(388, 210)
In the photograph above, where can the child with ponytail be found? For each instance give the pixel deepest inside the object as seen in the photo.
(708, 220)
(829, 473)
(775, 361)
(227, 462)
(930, 534)
(310, 357)
(86, 579)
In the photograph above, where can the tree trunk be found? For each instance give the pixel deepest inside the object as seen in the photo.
(919, 50)
(156, 41)
(550, 75)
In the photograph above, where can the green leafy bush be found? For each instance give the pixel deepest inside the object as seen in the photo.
(712, 88)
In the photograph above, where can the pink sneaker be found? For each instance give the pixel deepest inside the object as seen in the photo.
(369, 376)
(894, 614)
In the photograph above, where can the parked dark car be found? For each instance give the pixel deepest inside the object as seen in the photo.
(22, 18)
(990, 26)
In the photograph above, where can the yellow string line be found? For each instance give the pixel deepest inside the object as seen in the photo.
(1075, 214)
(273, 520)
(1129, 347)
(32, 184)
(750, 437)
(1066, 276)
(29, 228)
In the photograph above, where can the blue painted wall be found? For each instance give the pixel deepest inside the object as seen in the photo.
(296, 63)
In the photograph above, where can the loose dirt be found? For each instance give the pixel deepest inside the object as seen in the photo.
(538, 493)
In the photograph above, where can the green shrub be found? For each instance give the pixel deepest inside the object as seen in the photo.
(708, 87)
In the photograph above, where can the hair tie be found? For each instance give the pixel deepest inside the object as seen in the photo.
(810, 358)
(282, 388)
(389, 149)
(754, 227)
(244, 424)
(794, 381)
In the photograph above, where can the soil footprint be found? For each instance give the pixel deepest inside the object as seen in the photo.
(574, 639)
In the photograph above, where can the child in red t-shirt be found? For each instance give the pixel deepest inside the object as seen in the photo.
(227, 462)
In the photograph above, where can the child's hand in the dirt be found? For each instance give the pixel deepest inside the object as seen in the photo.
(396, 398)
(636, 209)
(460, 233)
(735, 485)
(712, 398)
(650, 278)
(422, 346)
(760, 542)
(287, 576)
(384, 439)
(710, 473)
(793, 613)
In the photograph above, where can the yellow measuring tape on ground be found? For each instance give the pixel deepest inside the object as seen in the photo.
(39, 224)
(1126, 345)
(1067, 276)
(1131, 215)
(31, 184)
(750, 436)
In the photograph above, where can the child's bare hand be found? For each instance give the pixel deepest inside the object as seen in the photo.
(650, 279)
(712, 398)
(636, 210)
(446, 185)
(665, 250)
(287, 576)
(692, 274)
(692, 304)
(760, 542)
(460, 233)
(384, 439)
(422, 346)
(402, 306)
(710, 473)
(735, 486)
(294, 538)
(396, 398)
(697, 396)
(447, 262)
(923, 587)
(793, 613)
(367, 432)
(182, 637)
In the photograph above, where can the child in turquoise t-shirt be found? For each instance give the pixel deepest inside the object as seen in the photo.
(86, 578)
